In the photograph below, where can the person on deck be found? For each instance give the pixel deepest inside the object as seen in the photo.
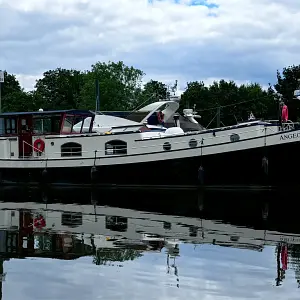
(160, 117)
(284, 113)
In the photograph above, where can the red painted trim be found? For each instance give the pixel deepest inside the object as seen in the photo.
(62, 119)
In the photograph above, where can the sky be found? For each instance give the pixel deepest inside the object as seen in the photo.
(184, 40)
(206, 272)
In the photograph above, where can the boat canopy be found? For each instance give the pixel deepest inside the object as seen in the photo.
(168, 108)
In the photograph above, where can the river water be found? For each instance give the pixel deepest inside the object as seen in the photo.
(78, 243)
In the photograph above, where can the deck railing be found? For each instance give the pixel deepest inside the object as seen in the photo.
(33, 148)
(208, 138)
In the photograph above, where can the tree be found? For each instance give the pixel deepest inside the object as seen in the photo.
(287, 82)
(235, 103)
(103, 255)
(20, 101)
(257, 100)
(14, 98)
(60, 89)
(120, 86)
(10, 85)
(121, 89)
(153, 91)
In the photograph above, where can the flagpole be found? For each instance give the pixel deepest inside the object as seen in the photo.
(1, 81)
(0, 98)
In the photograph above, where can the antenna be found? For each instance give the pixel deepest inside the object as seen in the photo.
(297, 91)
(175, 87)
(97, 95)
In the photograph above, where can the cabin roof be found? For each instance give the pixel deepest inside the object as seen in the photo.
(48, 112)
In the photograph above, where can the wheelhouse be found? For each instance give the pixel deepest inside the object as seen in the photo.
(27, 125)
(46, 122)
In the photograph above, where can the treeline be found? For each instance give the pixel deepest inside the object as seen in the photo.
(121, 88)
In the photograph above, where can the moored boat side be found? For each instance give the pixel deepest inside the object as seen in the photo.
(69, 146)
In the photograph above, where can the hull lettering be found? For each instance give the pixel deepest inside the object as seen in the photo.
(289, 136)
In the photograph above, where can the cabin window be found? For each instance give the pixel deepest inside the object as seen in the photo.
(167, 225)
(81, 124)
(76, 124)
(46, 125)
(193, 231)
(234, 238)
(71, 219)
(10, 126)
(68, 124)
(116, 223)
(2, 126)
(115, 147)
(71, 149)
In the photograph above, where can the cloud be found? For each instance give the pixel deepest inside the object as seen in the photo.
(27, 81)
(207, 272)
(173, 39)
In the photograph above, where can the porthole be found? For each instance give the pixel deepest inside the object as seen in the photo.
(167, 225)
(167, 146)
(234, 137)
(193, 231)
(234, 238)
(193, 143)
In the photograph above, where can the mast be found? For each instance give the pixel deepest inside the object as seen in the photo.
(297, 91)
(97, 95)
(1, 274)
(278, 278)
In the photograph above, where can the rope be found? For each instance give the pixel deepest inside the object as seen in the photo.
(140, 105)
(228, 105)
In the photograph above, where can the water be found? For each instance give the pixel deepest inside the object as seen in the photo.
(148, 243)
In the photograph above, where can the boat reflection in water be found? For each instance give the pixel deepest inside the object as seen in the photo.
(173, 239)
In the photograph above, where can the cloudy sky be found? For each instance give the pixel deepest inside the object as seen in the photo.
(243, 40)
(207, 272)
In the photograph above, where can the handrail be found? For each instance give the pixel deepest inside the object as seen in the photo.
(33, 148)
(208, 138)
(288, 125)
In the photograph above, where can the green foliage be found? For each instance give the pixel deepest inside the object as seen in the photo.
(104, 255)
(287, 82)
(60, 89)
(121, 88)
(10, 92)
(11, 84)
(236, 102)
(20, 101)
(153, 91)
(14, 98)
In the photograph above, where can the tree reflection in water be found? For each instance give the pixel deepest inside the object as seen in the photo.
(106, 256)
